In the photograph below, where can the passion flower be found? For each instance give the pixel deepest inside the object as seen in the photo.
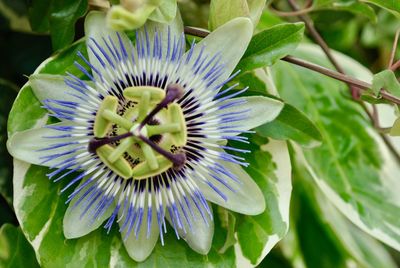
(143, 133)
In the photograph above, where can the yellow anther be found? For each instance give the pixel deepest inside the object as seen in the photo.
(143, 171)
(177, 117)
(121, 166)
(102, 125)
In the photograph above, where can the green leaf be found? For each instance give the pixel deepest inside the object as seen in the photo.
(318, 223)
(40, 206)
(267, 20)
(271, 169)
(39, 13)
(222, 11)
(15, 250)
(58, 17)
(270, 45)
(392, 6)
(26, 111)
(63, 62)
(291, 124)
(387, 80)
(353, 167)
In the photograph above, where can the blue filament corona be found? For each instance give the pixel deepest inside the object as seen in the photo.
(143, 205)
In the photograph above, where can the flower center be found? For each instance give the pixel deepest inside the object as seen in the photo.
(136, 141)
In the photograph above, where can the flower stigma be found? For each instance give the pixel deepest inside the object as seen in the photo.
(135, 139)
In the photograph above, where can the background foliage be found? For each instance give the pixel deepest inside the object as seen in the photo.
(322, 156)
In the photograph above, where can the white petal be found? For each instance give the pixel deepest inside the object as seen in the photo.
(28, 145)
(200, 236)
(231, 41)
(140, 247)
(49, 86)
(96, 28)
(247, 198)
(76, 223)
(259, 110)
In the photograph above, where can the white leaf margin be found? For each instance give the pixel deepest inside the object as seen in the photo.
(347, 209)
(342, 227)
(280, 156)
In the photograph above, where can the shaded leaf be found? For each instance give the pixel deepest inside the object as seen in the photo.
(276, 259)
(253, 81)
(7, 212)
(355, 7)
(314, 233)
(8, 92)
(39, 12)
(392, 6)
(15, 249)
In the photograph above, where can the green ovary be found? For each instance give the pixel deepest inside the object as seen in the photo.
(131, 157)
